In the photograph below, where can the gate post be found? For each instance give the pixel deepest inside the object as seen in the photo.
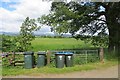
(48, 57)
(101, 55)
(13, 59)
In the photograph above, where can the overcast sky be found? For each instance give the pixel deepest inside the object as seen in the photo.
(13, 12)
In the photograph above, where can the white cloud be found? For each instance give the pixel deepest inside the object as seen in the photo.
(5, 0)
(44, 30)
(10, 0)
(11, 20)
(33, 8)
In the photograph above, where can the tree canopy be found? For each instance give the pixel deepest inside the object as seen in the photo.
(22, 42)
(26, 34)
(91, 18)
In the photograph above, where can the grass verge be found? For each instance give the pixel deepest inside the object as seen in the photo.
(19, 70)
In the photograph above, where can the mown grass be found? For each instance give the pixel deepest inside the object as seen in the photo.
(19, 70)
(58, 43)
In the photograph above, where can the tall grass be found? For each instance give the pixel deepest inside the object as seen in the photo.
(110, 55)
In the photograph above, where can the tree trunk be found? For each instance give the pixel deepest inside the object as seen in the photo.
(114, 39)
(117, 43)
(112, 15)
(111, 44)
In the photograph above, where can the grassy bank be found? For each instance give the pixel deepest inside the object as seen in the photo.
(58, 43)
(19, 70)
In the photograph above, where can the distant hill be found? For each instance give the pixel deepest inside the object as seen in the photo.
(36, 34)
(10, 33)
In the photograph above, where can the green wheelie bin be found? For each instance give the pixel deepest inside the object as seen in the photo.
(60, 59)
(28, 60)
(68, 59)
(41, 59)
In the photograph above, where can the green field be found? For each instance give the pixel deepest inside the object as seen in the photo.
(58, 43)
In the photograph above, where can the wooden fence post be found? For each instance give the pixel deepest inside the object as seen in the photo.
(48, 57)
(86, 56)
(13, 59)
(101, 55)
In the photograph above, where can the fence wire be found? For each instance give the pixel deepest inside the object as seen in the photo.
(79, 56)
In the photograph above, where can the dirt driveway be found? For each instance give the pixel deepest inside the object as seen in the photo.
(111, 72)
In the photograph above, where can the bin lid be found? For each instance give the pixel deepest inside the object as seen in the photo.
(65, 53)
(58, 53)
(42, 53)
(68, 53)
(29, 53)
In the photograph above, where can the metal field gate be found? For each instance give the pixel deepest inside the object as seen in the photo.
(80, 56)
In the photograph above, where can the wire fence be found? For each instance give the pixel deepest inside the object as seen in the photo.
(79, 56)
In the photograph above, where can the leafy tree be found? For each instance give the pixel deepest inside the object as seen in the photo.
(23, 41)
(26, 34)
(97, 41)
(8, 43)
(87, 18)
